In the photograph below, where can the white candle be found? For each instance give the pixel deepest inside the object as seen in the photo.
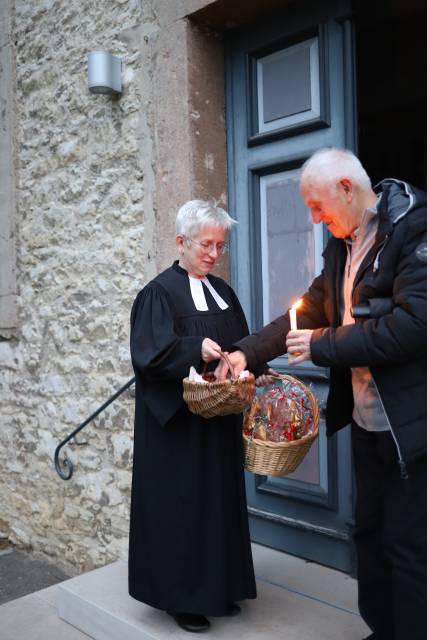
(293, 314)
(293, 318)
(294, 326)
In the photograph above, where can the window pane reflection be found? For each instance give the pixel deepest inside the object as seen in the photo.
(279, 102)
(290, 244)
(291, 248)
(288, 88)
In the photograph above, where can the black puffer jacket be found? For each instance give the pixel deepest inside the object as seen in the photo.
(392, 280)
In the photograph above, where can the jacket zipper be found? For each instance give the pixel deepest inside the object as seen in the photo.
(402, 463)
(379, 252)
(375, 261)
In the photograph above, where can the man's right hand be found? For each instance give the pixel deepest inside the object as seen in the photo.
(237, 359)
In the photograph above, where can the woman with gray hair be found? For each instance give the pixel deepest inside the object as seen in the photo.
(189, 550)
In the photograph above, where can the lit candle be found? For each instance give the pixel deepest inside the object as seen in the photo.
(293, 318)
(294, 326)
(293, 314)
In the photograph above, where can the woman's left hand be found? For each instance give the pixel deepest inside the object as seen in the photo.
(210, 350)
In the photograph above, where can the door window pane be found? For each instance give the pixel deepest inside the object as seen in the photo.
(288, 86)
(291, 248)
(291, 245)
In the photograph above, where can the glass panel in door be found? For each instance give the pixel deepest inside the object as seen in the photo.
(291, 256)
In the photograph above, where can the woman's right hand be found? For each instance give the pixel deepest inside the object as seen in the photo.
(210, 350)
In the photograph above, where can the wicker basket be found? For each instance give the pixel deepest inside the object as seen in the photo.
(219, 398)
(281, 458)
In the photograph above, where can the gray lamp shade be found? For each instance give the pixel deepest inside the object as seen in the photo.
(104, 73)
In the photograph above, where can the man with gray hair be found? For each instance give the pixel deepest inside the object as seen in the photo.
(365, 317)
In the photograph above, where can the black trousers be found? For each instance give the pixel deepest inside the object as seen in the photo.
(391, 538)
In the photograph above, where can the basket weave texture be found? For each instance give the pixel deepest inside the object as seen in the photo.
(219, 398)
(281, 458)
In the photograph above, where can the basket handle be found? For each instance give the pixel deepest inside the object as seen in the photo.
(230, 366)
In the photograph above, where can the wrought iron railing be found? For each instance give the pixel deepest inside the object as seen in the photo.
(65, 467)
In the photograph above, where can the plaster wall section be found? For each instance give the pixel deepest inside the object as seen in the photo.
(189, 126)
(8, 310)
(168, 12)
(207, 119)
(172, 135)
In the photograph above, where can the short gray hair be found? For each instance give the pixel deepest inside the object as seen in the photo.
(195, 214)
(331, 164)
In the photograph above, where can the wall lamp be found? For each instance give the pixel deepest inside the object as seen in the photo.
(104, 73)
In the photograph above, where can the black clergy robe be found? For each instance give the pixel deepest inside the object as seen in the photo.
(189, 546)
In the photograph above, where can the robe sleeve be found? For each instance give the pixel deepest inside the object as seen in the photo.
(160, 357)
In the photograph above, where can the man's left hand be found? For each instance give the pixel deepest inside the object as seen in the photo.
(238, 362)
(266, 378)
(298, 344)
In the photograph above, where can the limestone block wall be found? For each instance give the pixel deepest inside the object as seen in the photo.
(84, 228)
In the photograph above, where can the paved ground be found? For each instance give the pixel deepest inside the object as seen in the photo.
(20, 574)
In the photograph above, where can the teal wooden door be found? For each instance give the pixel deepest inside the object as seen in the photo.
(289, 88)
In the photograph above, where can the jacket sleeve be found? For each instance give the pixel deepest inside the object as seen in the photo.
(270, 342)
(397, 336)
(257, 368)
(157, 351)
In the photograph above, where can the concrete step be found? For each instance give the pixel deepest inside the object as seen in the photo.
(35, 617)
(296, 601)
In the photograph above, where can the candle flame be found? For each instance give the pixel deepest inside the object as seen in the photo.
(297, 304)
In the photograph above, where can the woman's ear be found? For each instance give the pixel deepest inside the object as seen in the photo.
(179, 241)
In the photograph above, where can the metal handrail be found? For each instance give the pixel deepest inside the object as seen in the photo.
(65, 467)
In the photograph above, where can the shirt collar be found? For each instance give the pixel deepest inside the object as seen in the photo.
(368, 216)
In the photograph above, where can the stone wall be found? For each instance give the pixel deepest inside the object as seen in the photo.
(85, 223)
(98, 181)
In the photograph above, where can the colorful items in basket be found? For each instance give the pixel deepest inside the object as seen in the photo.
(207, 376)
(282, 413)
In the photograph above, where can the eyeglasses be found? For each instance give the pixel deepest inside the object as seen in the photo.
(207, 247)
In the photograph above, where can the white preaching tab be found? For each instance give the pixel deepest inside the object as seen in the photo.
(215, 295)
(198, 295)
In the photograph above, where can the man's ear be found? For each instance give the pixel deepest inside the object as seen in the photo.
(347, 187)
